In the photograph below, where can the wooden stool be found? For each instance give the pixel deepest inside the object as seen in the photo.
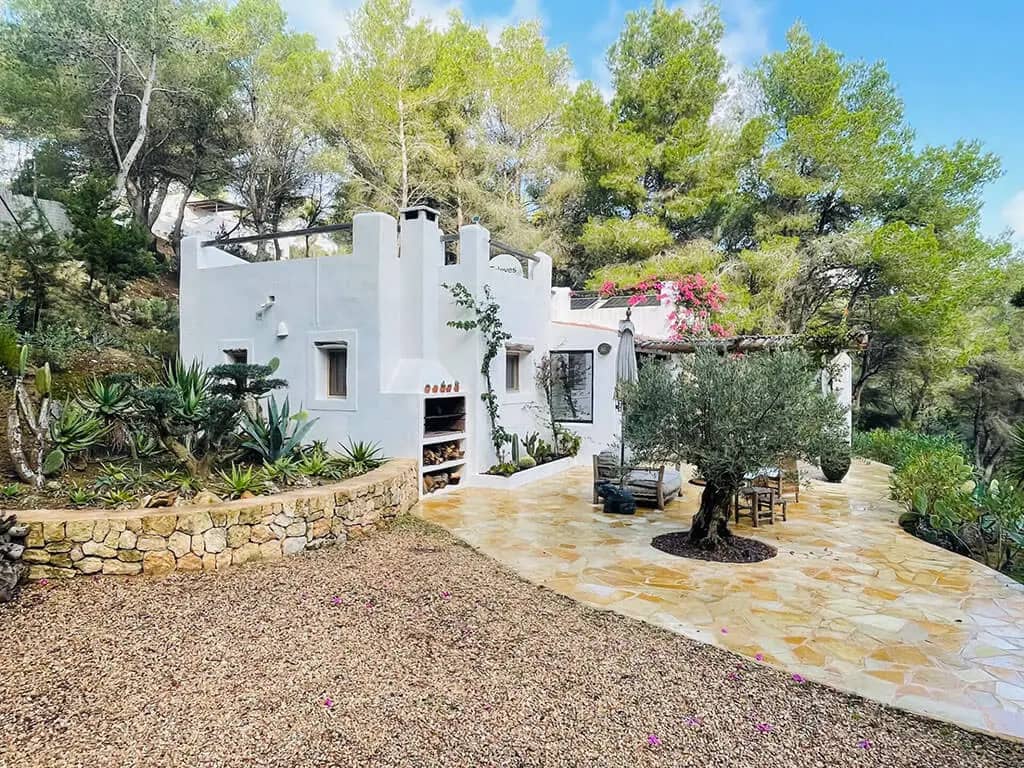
(760, 506)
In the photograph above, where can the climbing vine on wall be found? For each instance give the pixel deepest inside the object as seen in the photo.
(486, 319)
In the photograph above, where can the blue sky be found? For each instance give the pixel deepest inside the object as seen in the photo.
(958, 66)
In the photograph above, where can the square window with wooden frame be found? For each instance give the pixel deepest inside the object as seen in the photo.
(334, 362)
(512, 361)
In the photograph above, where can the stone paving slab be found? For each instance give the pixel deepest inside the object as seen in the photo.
(851, 600)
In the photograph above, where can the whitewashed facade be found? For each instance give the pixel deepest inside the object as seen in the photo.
(364, 339)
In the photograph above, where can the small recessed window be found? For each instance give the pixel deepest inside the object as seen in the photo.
(236, 356)
(512, 371)
(334, 358)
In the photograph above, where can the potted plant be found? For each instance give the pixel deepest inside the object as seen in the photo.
(835, 458)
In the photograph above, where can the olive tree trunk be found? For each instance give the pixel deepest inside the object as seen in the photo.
(710, 526)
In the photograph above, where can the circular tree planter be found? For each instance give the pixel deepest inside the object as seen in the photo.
(735, 549)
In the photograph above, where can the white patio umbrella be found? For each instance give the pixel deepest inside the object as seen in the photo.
(626, 373)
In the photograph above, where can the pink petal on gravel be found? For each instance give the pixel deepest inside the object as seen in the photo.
(329, 702)
(865, 744)
(759, 657)
(799, 679)
(725, 631)
(764, 727)
(446, 595)
(43, 582)
(653, 740)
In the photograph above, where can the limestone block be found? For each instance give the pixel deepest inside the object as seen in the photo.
(90, 565)
(53, 532)
(261, 533)
(151, 543)
(190, 562)
(121, 568)
(215, 540)
(161, 525)
(195, 522)
(94, 549)
(238, 535)
(158, 563)
(270, 550)
(100, 530)
(245, 553)
(179, 543)
(127, 539)
(293, 546)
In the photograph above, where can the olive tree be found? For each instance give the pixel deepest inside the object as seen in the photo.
(728, 415)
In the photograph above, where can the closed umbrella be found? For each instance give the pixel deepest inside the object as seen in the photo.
(626, 373)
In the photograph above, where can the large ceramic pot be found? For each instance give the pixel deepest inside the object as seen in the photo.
(835, 466)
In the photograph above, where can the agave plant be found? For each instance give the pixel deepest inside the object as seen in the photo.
(74, 431)
(142, 445)
(118, 497)
(278, 434)
(11, 490)
(116, 476)
(110, 401)
(362, 456)
(242, 479)
(80, 496)
(317, 463)
(284, 470)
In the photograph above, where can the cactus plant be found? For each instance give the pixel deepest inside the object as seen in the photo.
(515, 449)
(22, 414)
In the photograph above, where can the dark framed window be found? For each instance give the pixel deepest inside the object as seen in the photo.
(572, 386)
(236, 356)
(512, 360)
(334, 364)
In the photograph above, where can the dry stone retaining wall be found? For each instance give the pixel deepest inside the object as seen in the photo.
(67, 543)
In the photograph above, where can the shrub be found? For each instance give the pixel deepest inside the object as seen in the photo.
(277, 435)
(932, 481)
(10, 353)
(896, 447)
(361, 456)
(74, 431)
(240, 480)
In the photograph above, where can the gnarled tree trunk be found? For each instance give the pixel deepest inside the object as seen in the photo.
(710, 525)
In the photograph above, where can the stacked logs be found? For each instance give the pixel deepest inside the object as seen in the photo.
(439, 454)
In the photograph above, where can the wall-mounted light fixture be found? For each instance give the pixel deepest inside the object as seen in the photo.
(262, 309)
(282, 330)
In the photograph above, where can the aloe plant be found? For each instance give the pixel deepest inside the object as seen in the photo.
(277, 434)
(242, 479)
(74, 431)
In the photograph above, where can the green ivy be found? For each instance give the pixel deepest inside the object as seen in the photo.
(487, 320)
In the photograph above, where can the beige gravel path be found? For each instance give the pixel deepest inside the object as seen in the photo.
(408, 649)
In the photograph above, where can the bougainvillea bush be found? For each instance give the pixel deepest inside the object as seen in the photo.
(697, 302)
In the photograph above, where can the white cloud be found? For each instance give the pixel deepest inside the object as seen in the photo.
(328, 20)
(1013, 215)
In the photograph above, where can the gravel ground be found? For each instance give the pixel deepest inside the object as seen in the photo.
(408, 649)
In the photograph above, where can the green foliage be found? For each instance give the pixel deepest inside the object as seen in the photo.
(110, 399)
(487, 320)
(728, 416)
(80, 496)
(10, 351)
(318, 463)
(278, 434)
(76, 430)
(119, 497)
(241, 380)
(242, 479)
(362, 456)
(284, 469)
(526, 462)
(11, 491)
(933, 482)
(897, 447)
(117, 477)
(113, 251)
(1015, 461)
(31, 255)
(536, 447)
(568, 442)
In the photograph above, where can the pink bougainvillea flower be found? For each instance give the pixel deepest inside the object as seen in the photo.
(693, 720)
(636, 298)
(733, 676)
(725, 631)
(446, 594)
(865, 744)
(336, 600)
(764, 727)
(759, 657)
(653, 740)
(608, 288)
(43, 582)
(328, 702)
(798, 679)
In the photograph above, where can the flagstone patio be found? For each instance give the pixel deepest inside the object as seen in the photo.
(851, 600)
